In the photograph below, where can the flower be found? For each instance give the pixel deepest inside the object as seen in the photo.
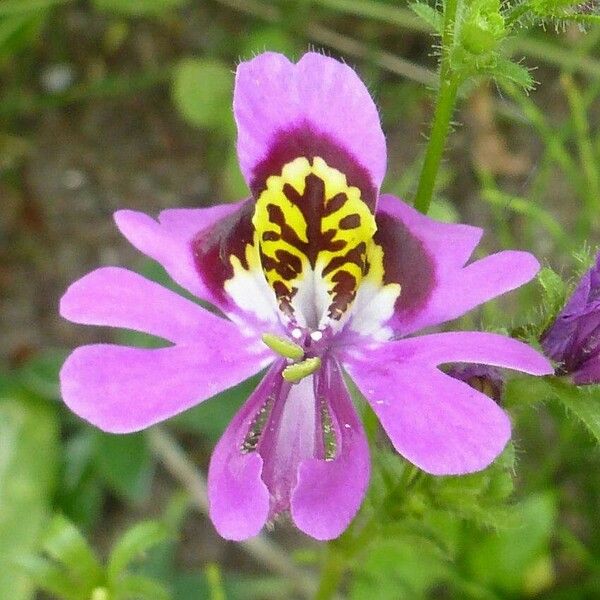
(483, 378)
(573, 340)
(316, 272)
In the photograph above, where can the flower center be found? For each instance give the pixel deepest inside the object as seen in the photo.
(314, 233)
(303, 355)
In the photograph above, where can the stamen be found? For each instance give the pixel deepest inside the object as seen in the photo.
(254, 434)
(329, 439)
(283, 346)
(298, 371)
(297, 333)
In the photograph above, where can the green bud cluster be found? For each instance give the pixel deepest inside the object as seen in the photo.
(483, 28)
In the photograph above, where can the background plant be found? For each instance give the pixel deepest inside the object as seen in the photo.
(115, 103)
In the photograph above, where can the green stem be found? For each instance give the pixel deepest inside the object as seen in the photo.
(331, 574)
(585, 148)
(446, 100)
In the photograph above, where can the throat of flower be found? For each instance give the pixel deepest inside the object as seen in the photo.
(313, 231)
(299, 369)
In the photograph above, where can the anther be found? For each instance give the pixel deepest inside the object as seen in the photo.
(298, 371)
(283, 346)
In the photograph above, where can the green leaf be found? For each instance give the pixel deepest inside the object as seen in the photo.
(133, 543)
(18, 32)
(138, 587)
(22, 7)
(211, 417)
(40, 374)
(430, 15)
(28, 460)
(202, 92)
(583, 402)
(64, 543)
(503, 559)
(505, 69)
(50, 577)
(405, 567)
(270, 38)
(138, 8)
(126, 464)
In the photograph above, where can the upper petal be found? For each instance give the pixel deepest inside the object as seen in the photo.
(316, 107)
(120, 298)
(121, 389)
(330, 489)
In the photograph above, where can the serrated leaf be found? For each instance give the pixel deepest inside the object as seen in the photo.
(513, 72)
(202, 92)
(430, 15)
(134, 542)
(138, 8)
(28, 459)
(64, 543)
(583, 402)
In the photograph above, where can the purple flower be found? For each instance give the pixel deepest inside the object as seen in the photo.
(483, 378)
(311, 280)
(574, 338)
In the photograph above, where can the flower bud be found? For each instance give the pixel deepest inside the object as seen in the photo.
(483, 28)
(573, 340)
(483, 378)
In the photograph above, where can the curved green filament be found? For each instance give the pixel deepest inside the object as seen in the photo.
(283, 346)
(298, 371)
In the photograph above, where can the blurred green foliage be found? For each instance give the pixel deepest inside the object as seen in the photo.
(83, 515)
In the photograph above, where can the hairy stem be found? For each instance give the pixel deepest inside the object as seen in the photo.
(444, 108)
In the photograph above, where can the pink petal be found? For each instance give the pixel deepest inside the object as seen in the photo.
(121, 389)
(329, 492)
(318, 94)
(238, 498)
(427, 258)
(479, 282)
(466, 346)
(440, 424)
(169, 240)
(120, 298)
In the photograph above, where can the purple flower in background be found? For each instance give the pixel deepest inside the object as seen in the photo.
(574, 338)
(483, 378)
(315, 273)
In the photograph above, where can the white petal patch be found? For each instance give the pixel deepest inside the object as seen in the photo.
(373, 307)
(249, 289)
(374, 303)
